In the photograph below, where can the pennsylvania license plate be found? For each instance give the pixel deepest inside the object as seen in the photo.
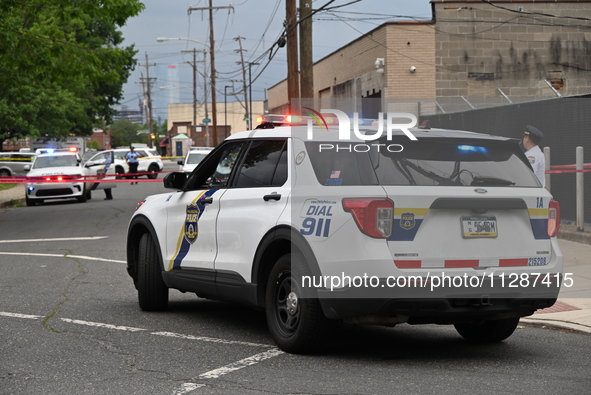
(475, 227)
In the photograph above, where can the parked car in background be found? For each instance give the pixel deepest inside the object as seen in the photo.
(14, 163)
(193, 158)
(150, 161)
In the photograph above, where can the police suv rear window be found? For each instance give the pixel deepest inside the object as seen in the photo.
(426, 162)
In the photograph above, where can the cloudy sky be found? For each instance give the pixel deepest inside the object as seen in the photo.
(258, 22)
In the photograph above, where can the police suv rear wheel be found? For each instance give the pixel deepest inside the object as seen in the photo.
(152, 292)
(120, 172)
(488, 331)
(297, 324)
(153, 170)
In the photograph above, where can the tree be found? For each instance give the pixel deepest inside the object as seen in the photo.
(62, 68)
(124, 132)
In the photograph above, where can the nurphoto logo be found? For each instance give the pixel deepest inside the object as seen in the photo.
(344, 124)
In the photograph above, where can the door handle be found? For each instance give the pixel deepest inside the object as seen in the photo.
(208, 200)
(273, 196)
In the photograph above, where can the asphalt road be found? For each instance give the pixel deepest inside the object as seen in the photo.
(70, 324)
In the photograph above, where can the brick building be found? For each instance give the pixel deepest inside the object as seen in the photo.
(472, 54)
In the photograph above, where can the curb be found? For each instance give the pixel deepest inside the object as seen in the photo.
(555, 325)
(576, 236)
(12, 202)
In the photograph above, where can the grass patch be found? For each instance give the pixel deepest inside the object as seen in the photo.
(4, 187)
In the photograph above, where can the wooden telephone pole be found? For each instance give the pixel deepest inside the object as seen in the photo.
(306, 63)
(293, 77)
(210, 8)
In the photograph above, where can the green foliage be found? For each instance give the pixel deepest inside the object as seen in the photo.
(124, 132)
(61, 68)
(93, 144)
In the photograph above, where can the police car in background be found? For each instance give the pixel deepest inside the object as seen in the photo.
(61, 174)
(150, 161)
(14, 163)
(297, 225)
(193, 158)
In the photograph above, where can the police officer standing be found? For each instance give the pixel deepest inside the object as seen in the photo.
(531, 139)
(131, 159)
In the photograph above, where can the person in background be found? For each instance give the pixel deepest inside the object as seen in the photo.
(531, 138)
(132, 161)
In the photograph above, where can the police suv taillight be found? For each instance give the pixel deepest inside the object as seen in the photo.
(373, 216)
(553, 218)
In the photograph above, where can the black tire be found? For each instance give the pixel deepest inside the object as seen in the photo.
(153, 171)
(488, 331)
(297, 330)
(30, 202)
(120, 173)
(82, 198)
(88, 195)
(4, 173)
(152, 292)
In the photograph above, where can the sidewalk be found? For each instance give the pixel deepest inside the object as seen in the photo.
(572, 311)
(15, 195)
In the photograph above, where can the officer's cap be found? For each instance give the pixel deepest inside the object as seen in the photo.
(532, 131)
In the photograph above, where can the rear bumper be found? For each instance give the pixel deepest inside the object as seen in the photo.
(431, 311)
(441, 305)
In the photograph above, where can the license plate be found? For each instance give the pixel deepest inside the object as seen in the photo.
(478, 227)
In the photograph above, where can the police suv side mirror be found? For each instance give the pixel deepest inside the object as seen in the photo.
(181, 162)
(27, 168)
(175, 180)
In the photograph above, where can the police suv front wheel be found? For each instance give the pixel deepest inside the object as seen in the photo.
(488, 331)
(152, 292)
(297, 324)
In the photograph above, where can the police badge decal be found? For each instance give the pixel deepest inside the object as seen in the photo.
(191, 219)
(407, 221)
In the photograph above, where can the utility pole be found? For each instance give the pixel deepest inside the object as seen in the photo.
(246, 118)
(147, 90)
(226, 110)
(214, 112)
(293, 78)
(194, 65)
(214, 139)
(207, 140)
(306, 64)
(250, 64)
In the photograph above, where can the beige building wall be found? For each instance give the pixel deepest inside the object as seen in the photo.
(473, 55)
(350, 73)
(183, 112)
(482, 50)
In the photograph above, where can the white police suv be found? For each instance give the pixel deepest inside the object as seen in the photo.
(450, 228)
(150, 163)
(62, 175)
(193, 158)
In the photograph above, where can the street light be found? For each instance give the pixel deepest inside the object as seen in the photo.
(161, 39)
(212, 77)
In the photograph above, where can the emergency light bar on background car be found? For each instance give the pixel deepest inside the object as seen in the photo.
(302, 120)
(40, 151)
